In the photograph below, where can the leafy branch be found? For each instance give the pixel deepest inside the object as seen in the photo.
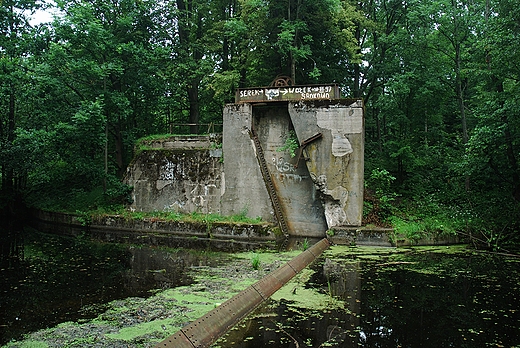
(291, 144)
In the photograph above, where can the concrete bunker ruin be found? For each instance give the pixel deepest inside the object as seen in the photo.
(292, 155)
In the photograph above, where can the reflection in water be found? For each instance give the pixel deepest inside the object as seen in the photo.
(388, 299)
(284, 324)
(65, 279)
(344, 281)
(417, 299)
(11, 243)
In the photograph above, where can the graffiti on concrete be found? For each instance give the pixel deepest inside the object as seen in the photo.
(318, 92)
(283, 166)
(170, 171)
(295, 177)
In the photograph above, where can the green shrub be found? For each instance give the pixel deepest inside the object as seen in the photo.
(255, 261)
(305, 244)
(291, 144)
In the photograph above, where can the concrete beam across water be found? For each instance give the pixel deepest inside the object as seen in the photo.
(207, 329)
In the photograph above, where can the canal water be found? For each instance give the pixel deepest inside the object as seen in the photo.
(429, 297)
(49, 279)
(350, 297)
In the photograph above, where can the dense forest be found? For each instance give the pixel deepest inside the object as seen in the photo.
(440, 80)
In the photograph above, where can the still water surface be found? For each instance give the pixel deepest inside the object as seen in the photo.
(378, 297)
(56, 279)
(422, 298)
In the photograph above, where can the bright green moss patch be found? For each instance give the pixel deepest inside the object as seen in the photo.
(270, 257)
(299, 295)
(29, 344)
(132, 332)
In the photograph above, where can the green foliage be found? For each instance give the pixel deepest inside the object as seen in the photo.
(291, 144)
(255, 261)
(287, 40)
(117, 193)
(305, 244)
(84, 218)
(378, 207)
(31, 344)
(411, 230)
(439, 81)
(207, 219)
(380, 180)
(55, 195)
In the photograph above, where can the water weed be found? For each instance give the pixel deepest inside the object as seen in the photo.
(255, 261)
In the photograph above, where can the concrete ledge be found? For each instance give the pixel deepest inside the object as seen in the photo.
(362, 236)
(220, 236)
(57, 223)
(187, 142)
(378, 236)
(158, 232)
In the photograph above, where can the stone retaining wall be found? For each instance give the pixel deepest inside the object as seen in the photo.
(224, 236)
(375, 236)
(157, 232)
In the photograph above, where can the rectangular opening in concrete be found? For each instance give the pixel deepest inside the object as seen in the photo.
(298, 198)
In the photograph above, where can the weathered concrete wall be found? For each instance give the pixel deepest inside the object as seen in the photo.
(243, 190)
(297, 194)
(336, 160)
(182, 175)
(318, 191)
(153, 231)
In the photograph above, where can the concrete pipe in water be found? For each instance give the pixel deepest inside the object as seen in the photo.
(207, 329)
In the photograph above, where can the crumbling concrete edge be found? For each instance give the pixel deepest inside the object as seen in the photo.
(383, 237)
(118, 229)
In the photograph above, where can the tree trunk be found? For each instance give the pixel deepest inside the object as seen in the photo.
(8, 173)
(460, 89)
(194, 53)
(293, 68)
(460, 95)
(193, 96)
(105, 155)
(119, 152)
(513, 161)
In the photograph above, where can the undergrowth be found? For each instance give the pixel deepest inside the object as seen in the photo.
(194, 217)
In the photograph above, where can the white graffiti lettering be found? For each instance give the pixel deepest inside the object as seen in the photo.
(315, 96)
(171, 171)
(311, 92)
(251, 93)
(272, 93)
(282, 166)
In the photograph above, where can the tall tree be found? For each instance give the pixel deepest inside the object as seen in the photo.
(105, 51)
(309, 41)
(190, 20)
(494, 144)
(14, 46)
